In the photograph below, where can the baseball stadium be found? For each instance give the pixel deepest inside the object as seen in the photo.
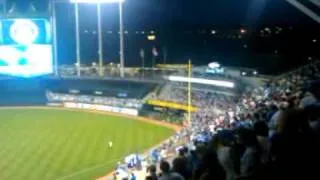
(69, 139)
(177, 103)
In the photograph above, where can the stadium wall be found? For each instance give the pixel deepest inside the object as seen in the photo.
(22, 92)
(127, 111)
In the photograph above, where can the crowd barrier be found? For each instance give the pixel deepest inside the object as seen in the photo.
(127, 111)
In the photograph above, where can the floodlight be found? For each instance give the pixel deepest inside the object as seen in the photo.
(214, 65)
(219, 83)
(151, 37)
(97, 1)
(121, 34)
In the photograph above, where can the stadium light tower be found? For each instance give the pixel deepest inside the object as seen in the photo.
(121, 34)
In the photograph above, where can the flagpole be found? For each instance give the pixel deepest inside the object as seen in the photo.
(54, 31)
(142, 61)
(164, 55)
(153, 61)
(155, 54)
(100, 39)
(78, 63)
(121, 37)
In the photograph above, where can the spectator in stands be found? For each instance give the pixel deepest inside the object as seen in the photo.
(152, 172)
(291, 150)
(312, 96)
(250, 160)
(225, 156)
(261, 132)
(294, 149)
(313, 115)
(133, 177)
(167, 174)
(209, 167)
(180, 164)
(273, 109)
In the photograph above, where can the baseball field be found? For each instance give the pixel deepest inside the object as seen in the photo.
(68, 144)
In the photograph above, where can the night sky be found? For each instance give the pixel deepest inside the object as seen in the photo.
(190, 12)
(212, 12)
(174, 16)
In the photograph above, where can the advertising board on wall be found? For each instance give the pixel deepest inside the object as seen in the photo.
(128, 111)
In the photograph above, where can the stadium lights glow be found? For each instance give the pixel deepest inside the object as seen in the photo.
(151, 37)
(202, 81)
(96, 1)
(242, 31)
(214, 65)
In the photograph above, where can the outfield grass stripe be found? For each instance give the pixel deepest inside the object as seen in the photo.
(87, 146)
(46, 158)
(98, 149)
(66, 150)
(68, 144)
(71, 175)
(78, 149)
(10, 163)
(14, 154)
(34, 159)
(31, 155)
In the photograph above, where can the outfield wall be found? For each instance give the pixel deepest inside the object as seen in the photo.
(96, 107)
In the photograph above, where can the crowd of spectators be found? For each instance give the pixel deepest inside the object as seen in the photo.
(92, 99)
(270, 132)
(273, 134)
(113, 71)
(212, 104)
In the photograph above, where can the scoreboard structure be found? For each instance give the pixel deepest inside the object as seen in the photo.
(26, 47)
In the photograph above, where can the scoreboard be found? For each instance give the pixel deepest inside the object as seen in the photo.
(25, 47)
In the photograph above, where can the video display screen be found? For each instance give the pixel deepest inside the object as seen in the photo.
(25, 47)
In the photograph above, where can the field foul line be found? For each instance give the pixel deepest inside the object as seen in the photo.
(88, 169)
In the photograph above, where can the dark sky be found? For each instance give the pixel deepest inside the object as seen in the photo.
(190, 12)
(213, 12)
(140, 14)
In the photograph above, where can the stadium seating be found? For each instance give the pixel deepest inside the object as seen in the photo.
(272, 132)
(268, 132)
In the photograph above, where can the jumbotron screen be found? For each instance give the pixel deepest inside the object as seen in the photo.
(25, 47)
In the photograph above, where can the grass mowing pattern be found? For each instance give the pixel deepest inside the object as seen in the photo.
(57, 144)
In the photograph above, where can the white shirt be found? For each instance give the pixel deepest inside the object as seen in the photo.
(226, 161)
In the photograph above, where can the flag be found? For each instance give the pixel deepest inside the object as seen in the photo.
(142, 53)
(155, 52)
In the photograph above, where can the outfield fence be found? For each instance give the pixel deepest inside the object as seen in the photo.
(96, 107)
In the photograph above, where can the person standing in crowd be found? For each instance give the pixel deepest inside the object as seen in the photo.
(167, 174)
(261, 132)
(152, 173)
(180, 164)
(294, 149)
(250, 160)
(311, 104)
(225, 156)
(208, 165)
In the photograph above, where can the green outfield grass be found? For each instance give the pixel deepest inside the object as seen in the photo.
(57, 144)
